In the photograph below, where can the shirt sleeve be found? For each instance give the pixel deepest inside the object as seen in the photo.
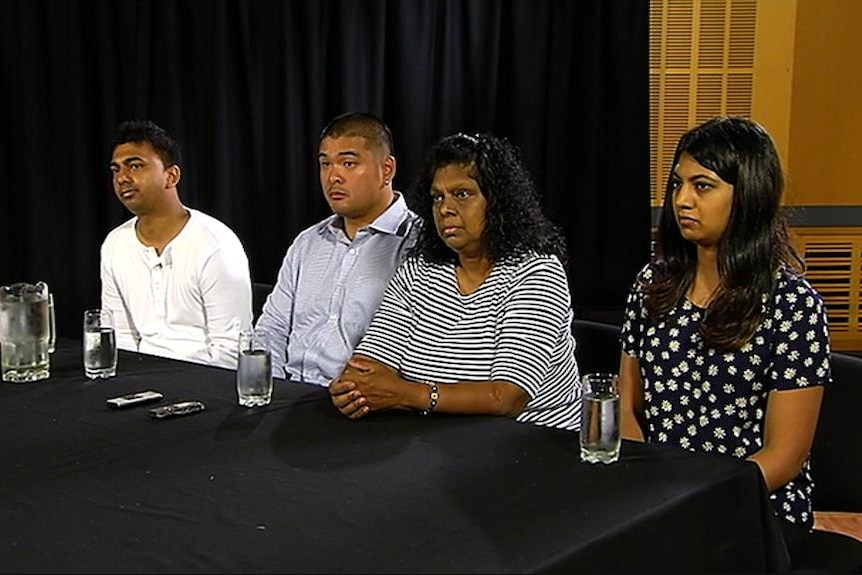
(276, 318)
(226, 290)
(801, 338)
(127, 335)
(535, 312)
(631, 331)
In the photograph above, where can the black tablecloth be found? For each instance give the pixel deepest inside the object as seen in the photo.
(296, 487)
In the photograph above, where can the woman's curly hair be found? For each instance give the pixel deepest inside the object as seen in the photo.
(514, 221)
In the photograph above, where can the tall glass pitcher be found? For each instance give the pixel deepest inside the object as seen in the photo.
(26, 331)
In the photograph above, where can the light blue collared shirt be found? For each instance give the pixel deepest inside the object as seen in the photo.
(328, 289)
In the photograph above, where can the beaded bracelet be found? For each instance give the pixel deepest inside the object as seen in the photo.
(432, 401)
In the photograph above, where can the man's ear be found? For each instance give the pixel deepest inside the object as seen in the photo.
(389, 166)
(173, 176)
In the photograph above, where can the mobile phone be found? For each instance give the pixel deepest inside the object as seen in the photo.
(174, 409)
(133, 399)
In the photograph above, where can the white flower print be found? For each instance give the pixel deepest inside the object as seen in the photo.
(717, 399)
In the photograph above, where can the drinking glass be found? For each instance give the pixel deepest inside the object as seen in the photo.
(52, 324)
(254, 370)
(600, 419)
(100, 344)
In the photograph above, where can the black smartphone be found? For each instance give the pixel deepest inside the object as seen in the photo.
(133, 399)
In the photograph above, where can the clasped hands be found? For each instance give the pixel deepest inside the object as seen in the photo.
(365, 385)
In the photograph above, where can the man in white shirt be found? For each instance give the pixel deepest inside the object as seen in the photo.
(176, 279)
(334, 274)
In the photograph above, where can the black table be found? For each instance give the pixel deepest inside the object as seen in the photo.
(296, 487)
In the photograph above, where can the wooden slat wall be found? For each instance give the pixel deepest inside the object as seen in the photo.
(833, 257)
(702, 64)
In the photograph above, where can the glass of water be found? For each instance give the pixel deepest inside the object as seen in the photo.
(254, 370)
(100, 344)
(600, 418)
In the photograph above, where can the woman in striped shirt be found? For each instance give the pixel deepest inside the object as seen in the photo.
(478, 320)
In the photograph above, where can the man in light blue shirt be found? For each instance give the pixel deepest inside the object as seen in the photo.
(334, 273)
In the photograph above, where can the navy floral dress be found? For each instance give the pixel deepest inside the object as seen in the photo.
(704, 399)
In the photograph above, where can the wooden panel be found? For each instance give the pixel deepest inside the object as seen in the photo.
(701, 66)
(833, 258)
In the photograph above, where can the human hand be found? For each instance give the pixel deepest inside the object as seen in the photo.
(347, 398)
(378, 384)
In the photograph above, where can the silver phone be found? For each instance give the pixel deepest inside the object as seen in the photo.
(131, 399)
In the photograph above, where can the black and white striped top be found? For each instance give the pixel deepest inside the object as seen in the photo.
(515, 327)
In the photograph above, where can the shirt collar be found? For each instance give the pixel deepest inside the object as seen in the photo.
(389, 222)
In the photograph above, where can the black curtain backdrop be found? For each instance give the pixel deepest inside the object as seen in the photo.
(246, 86)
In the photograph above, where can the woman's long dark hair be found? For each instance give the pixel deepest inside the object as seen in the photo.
(751, 249)
(515, 223)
